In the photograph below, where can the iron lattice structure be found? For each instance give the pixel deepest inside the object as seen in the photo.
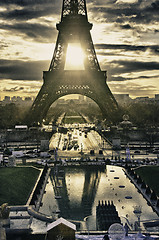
(73, 7)
(91, 82)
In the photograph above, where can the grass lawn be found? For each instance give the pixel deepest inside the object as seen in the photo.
(30, 164)
(16, 184)
(73, 120)
(150, 174)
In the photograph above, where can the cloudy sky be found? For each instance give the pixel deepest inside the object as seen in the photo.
(125, 34)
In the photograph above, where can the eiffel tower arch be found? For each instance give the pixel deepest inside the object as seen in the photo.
(90, 81)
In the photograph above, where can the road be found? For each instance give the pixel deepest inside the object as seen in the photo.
(79, 141)
(76, 141)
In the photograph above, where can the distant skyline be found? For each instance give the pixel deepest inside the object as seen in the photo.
(125, 34)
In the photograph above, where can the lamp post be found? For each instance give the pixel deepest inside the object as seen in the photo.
(87, 224)
(137, 211)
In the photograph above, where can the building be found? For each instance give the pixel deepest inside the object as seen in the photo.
(122, 99)
(106, 215)
(61, 229)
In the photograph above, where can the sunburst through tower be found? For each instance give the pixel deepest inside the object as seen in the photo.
(74, 57)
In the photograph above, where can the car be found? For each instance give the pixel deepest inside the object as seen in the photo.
(92, 151)
(137, 151)
(76, 146)
(155, 151)
(69, 147)
(64, 148)
(100, 151)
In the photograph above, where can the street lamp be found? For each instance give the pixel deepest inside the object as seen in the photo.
(137, 211)
(86, 222)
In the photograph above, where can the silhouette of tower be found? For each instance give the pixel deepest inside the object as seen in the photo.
(83, 205)
(90, 81)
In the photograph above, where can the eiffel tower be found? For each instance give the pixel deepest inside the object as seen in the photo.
(90, 81)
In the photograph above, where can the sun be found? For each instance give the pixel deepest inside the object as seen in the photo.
(74, 57)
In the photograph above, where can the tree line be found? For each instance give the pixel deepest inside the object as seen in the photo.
(140, 114)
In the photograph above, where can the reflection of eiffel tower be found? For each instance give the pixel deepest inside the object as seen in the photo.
(83, 207)
(91, 82)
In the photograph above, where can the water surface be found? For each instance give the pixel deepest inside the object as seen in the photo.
(76, 191)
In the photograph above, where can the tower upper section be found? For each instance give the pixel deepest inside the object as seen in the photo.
(73, 7)
(74, 28)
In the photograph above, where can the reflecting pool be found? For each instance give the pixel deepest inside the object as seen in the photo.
(74, 192)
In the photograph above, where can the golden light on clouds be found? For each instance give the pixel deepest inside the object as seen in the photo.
(2, 9)
(125, 35)
(127, 1)
(136, 87)
(21, 88)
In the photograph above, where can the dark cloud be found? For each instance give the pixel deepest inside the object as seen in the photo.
(22, 70)
(154, 6)
(134, 66)
(3, 45)
(123, 13)
(14, 89)
(38, 32)
(17, 13)
(125, 16)
(119, 78)
(24, 3)
(148, 77)
(101, 2)
(33, 70)
(23, 14)
(114, 14)
(121, 46)
(23, 10)
(117, 68)
(126, 26)
(126, 47)
(28, 13)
